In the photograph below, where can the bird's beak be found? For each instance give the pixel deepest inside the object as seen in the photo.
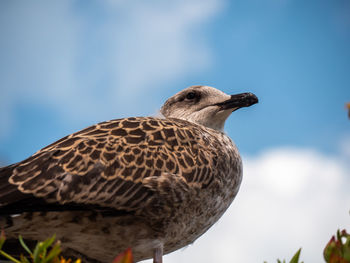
(238, 101)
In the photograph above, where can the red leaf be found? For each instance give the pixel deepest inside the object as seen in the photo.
(125, 257)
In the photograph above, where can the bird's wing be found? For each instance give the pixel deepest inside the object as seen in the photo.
(121, 164)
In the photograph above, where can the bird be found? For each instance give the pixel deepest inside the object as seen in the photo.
(154, 184)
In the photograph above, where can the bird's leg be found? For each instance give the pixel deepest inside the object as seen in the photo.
(158, 254)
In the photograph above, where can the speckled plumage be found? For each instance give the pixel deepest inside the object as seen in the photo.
(139, 182)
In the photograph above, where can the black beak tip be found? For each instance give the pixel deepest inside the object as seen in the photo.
(252, 99)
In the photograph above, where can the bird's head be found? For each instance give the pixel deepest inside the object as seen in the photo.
(205, 105)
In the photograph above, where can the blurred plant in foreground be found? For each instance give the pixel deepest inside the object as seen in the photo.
(48, 252)
(44, 252)
(336, 251)
(338, 248)
(125, 257)
(295, 258)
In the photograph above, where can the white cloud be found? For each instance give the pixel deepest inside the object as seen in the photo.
(289, 198)
(87, 65)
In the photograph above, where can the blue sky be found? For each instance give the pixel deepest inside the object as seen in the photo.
(69, 64)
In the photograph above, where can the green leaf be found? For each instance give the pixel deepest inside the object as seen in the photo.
(24, 259)
(53, 253)
(295, 258)
(37, 252)
(48, 242)
(4, 254)
(40, 250)
(2, 238)
(24, 245)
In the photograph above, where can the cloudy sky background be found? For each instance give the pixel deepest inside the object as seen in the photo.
(65, 65)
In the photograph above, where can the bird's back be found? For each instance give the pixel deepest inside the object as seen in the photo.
(127, 182)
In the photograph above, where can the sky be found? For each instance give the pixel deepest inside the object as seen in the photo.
(65, 65)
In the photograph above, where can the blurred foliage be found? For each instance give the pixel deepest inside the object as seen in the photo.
(125, 257)
(338, 248)
(44, 252)
(49, 252)
(336, 251)
(295, 258)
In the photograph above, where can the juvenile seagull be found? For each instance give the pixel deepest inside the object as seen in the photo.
(152, 184)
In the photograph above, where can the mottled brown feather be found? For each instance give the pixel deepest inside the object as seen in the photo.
(118, 163)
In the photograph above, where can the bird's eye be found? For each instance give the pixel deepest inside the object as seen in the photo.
(191, 95)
